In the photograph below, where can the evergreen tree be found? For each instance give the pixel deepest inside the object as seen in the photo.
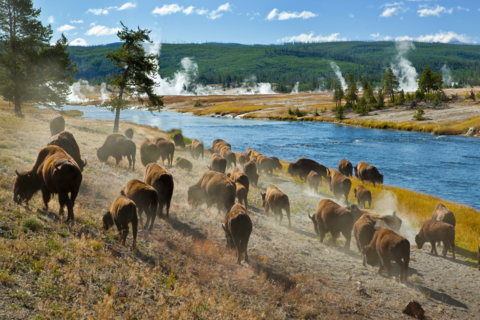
(368, 94)
(429, 81)
(365, 83)
(380, 99)
(390, 84)
(338, 93)
(351, 95)
(134, 73)
(31, 71)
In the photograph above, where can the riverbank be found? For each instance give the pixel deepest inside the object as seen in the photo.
(182, 270)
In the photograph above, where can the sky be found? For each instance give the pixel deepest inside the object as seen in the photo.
(264, 22)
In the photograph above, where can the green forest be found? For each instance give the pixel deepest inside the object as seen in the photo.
(286, 64)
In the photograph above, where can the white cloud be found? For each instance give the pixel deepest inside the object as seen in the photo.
(51, 19)
(127, 5)
(65, 28)
(375, 35)
(394, 4)
(387, 38)
(437, 11)
(390, 12)
(289, 15)
(445, 37)
(215, 14)
(167, 9)
(76, 21)
(188, 10)
(403, 38)
(350, 15)
(201, 12)
(79, 42)
(98, 12)
(310, 38)
(462, 8)
(102, 31)
(93, 23)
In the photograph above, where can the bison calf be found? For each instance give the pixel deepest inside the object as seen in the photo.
(122, 212)
(145, 198)
(250, 169)
(166, 150)
(367, 172)
(148, 152)
(218, 163)
(183, 163)
(162, 181)
(387, 246)
(238, 227)
(314, 180)
(363, 196)
(345, 167)
(339, 185)
(57, 123)
(117, 146)
(242, 194)
(363, 231)
(196, 149)
(433, 231)
(276, 200)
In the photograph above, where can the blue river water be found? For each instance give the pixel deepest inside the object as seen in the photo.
(443, 166)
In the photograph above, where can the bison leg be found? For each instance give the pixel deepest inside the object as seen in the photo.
(129, 158)
(133, 160)
(244, 247)
(348, 238)
(335, 237)
(287, 210)
(267, 208)
(434, 248)
(453, 249)
(134, 231)
(46, 195)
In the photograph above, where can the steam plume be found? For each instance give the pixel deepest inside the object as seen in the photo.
(338, 73)
(403, 69)
(295, 88)
(447, 76)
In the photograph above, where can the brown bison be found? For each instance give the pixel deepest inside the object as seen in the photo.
(54, 172)
(218, 163)
(441, 213)
(268, 164)
(238, 227)
(276, 200)
(162, 181)
(333, 218)
(242, 194)
(238, 176)
(363, 231)
(183, 163)
(145, 198)
(367, 172)
(178, 140)
(433, 231)
(250, 169)
(57, 123)
(129, 133)
(363, 196)
(166, 150)
(345, 167)
(117, 146)
(122, 212)
(196, 149)
(243, 158)
(386, 221)
(386, 246)
(148, 152)
(229, 156)
(303, 166)
(339, 184)
(218, 144)
(213, 188)
(67, 142)
(314, 180)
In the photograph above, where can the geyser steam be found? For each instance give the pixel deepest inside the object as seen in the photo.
(403, 69)
(338, 73)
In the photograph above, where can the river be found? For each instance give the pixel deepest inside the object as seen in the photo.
(443, 166)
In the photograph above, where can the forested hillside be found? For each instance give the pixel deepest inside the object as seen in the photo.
(286, 64)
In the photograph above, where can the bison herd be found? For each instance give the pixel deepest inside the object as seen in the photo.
(58, 170)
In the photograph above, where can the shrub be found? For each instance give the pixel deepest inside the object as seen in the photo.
(290, 112)
(32, 224)
(297, 112)
(315, 114)
(198, 104)
(418, 115)
(339, 114)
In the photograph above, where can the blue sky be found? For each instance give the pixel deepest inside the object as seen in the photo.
(264, 22)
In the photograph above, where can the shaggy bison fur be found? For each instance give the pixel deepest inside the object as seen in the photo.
(238, 227)
(213, 188)
(367, 172)
(183, 163)
(243, 158)
(145, 198)
(218, 163)
(363, 231)
(363, 196)
(389, 221)
(268, 164)
(250, 169)
(218, 144)
(54, 172)
(117, 146)
(162, 181)
(166, 150)
(441, 213)
(229, 156)
(314, 180)
(433, 231)
(345, 167)
(387, 246)
(333, 218)
(129, 133)
(303, 166)
(242, 194)
(122, 212)
(276, 200)
(57, 123)
(339, 184)
(196, 149)
(67, 142)
(148, 152)
(178, 140)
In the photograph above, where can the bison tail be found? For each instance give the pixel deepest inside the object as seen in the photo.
(122, 192)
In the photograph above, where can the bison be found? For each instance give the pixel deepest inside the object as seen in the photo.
(363, 196)
(57, 123)
(54, 172)
(122, 212)
(238, 227)
(183, 163)
(238, 176)
(243, 158)
(129, 133)
(218, 163)
(229, 156)
(386, 246)
(314, 180)
(67, 142)
(178, 140)
(339, 184)
(196, 149)
(367, 172)
(166, 150)
(363, 231)
(433, 231)
(276, 200)
(148, 152)
(145, 198)
(268, 164)
(250, 169)
(162, 181)
(345, 167)
(333, 218)
(213, 188)
(117, 146)
(389, 221)
(441, 213)
(242, 194)
(303, 166)
(218, 144)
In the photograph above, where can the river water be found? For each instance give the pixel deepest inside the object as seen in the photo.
(443, 166)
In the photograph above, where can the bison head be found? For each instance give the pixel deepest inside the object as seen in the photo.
(314, 223)
(228, 236)
(420, 241)
(291, 169)
(194, 196)
(276, 163)
(25, 186)
(263, 198)
(102, 154)
(107, 220)
(356, 171)
(379, 178)
(356, 211)
(372, 255)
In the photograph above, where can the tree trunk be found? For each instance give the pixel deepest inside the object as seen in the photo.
(117, 120)
(18, 103)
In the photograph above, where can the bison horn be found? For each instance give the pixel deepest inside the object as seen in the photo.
(18, 174)
(311, 218)
(85, 162)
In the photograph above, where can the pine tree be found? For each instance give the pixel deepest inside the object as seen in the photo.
(134, 73)
(31, 71)
(425, 83)
(351, 95)
(390, 84)
(380, 99)
(338, 93)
